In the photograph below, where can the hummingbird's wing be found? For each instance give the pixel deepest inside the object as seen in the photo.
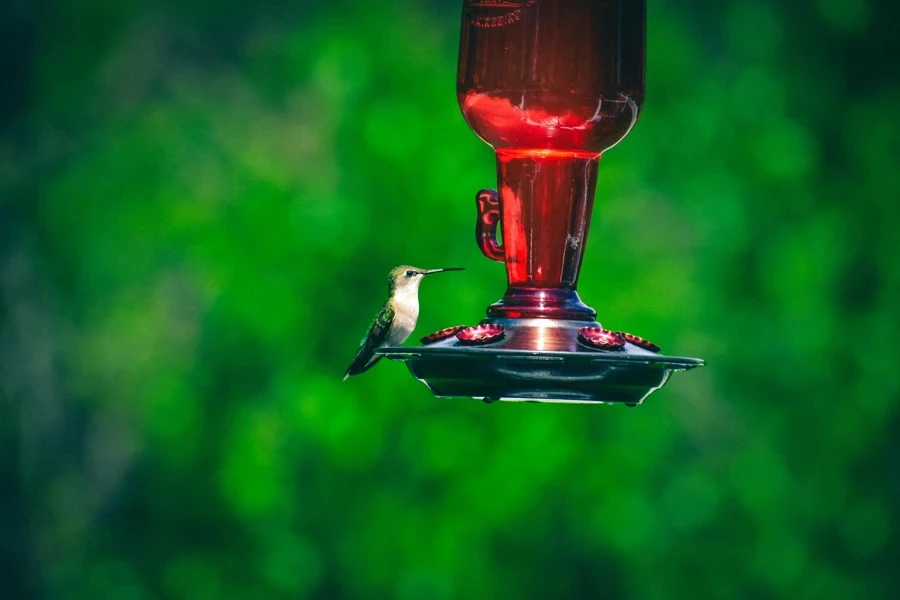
(376, 335)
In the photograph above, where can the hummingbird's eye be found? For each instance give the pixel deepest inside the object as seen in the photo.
(410, 273)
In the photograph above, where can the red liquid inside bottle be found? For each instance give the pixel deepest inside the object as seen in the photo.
(550, 84)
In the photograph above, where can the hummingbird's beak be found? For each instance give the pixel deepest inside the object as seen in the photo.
(432, 271)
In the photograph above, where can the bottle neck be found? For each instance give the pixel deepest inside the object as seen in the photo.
(546, 199)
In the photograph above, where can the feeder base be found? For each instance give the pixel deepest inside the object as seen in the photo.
(539, 360)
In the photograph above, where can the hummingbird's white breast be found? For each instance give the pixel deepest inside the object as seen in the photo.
(406, 313)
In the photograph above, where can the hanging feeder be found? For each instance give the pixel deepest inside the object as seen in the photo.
(550, 85)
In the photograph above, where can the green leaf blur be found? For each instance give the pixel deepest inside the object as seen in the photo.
(199, 205)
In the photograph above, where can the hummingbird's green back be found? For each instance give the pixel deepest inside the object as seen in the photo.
(375, 336)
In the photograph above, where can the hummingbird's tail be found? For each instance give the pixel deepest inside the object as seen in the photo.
(358, 366)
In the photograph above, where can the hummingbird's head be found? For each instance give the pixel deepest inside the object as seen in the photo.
(406, 278)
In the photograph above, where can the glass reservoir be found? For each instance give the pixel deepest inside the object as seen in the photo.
(549, 85)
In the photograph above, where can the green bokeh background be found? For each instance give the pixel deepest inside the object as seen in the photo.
(199, 205)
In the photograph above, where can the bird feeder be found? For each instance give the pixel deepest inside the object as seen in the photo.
(550, 85)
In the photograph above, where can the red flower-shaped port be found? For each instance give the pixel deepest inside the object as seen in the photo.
(443, 334)
(601, 338)
(640, 342)
(481, 334)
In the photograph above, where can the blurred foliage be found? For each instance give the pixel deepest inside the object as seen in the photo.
(199, 205)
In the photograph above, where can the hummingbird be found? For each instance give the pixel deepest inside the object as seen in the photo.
(396, 319)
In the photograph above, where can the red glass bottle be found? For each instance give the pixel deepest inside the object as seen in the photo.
(550, 85)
